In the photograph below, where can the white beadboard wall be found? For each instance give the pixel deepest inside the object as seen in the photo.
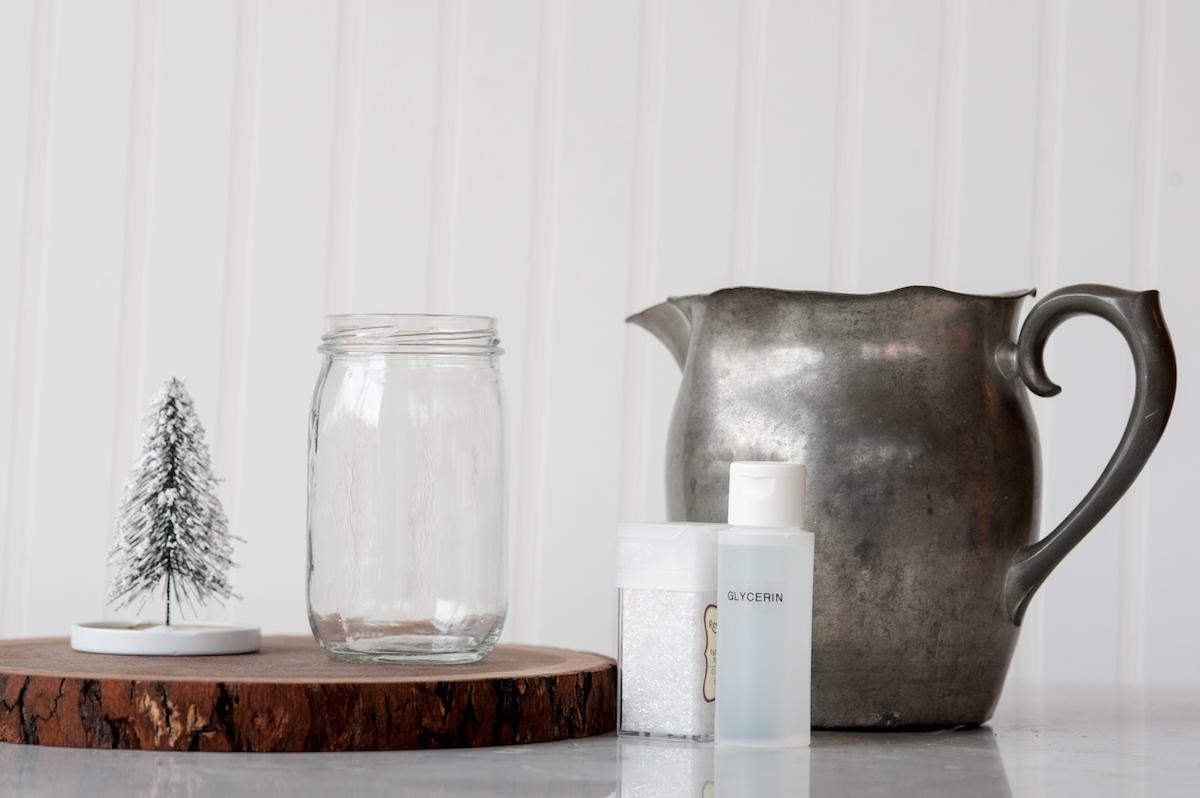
(187, 188)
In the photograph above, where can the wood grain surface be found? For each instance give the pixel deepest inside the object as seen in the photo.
(291, 697)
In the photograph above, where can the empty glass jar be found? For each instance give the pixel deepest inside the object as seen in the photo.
(406, 490)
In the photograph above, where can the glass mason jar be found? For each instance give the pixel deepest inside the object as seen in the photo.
(407, 558)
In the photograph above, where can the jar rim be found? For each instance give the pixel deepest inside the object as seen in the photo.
(410, 333)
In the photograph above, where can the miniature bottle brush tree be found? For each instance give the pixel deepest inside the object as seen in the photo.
(171, 529)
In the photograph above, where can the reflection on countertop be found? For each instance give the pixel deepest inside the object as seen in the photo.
(1064, 742)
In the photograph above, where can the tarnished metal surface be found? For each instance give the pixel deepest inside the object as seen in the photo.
(909, 409)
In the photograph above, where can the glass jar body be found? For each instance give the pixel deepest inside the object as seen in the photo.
(406, 503)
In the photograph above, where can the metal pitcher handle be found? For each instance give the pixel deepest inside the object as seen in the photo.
(1139, 318)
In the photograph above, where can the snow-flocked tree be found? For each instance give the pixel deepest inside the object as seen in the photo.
(171, 528)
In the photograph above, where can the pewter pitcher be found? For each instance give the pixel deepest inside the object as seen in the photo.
(910, 409)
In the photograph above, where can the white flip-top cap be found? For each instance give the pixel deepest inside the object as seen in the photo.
(767, 494)
(681, 556)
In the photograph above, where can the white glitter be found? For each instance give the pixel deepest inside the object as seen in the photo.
(662, 663)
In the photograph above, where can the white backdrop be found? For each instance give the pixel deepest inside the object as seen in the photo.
(187, 188)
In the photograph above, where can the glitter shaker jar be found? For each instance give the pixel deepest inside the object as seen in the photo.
(667, 629)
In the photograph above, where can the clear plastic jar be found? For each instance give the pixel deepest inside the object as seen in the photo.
(407, 557)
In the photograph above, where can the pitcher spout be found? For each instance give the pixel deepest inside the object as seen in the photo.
(670, 323)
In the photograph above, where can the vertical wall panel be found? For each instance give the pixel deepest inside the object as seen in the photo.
(952, 55)
(579, 494)
(1098, 149)
(694, 158)
(284, 285)
(847, 153)
(388, 250)
(530, 531)
(132, 309)
(899, 138)
(796, 124)
(696, 149)
(997, 150)
(748, 139)
(1172, 655)
(637, 472)
(495, 160)
(1093, 241)
(17, 35)
(175, 236)
(1134, 553)
(77, 335)
(138, 192)
(240, 178)
(343, 194)
(193, 124)
(447, 130)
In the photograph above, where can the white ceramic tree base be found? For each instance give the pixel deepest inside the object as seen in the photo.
(156, 640)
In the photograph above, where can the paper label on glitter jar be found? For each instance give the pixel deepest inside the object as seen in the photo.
(710, 653)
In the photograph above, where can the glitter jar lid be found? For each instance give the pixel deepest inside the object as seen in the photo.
(666, 556)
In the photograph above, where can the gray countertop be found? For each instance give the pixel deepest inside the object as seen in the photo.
(1070, 741)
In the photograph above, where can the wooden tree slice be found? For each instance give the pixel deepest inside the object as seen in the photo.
(291, 697)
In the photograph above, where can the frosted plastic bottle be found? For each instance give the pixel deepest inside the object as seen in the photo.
(764, 609)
